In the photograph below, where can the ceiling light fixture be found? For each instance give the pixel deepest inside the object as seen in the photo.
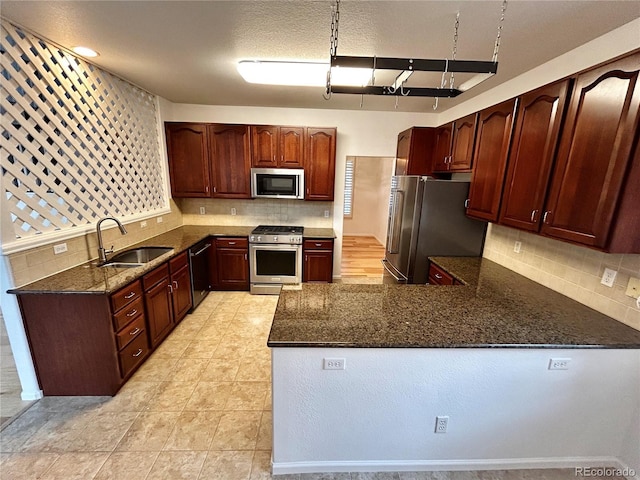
(304, 74)
(85, 52)
(406, 66)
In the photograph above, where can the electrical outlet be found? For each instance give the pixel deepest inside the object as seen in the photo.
(559, 363)
(326, 214)
(60, 248)
(633, 287)
(517, 246)
(143, 224)
(334, 364)
(159, 219)
(233, 211)
(608, 277)
(202, 211)
(441, 424)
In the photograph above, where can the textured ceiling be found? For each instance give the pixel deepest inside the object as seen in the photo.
(186, 51)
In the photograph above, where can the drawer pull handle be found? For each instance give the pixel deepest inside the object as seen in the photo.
(131, 295)
(134, 331)
(175, 284)
(318, 244)
(533, 215)
(132, 313)
(232, 243)
(138, 353)
(438, 276)
(170, 288)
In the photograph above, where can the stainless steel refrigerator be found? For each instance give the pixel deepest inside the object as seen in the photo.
(427, 218)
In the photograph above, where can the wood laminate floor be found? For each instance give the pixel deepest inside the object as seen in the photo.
(361, 260)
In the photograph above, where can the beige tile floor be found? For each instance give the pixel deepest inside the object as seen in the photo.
(199, 408)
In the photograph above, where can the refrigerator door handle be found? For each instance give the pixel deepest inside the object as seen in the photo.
(396, 221)
(390, 271)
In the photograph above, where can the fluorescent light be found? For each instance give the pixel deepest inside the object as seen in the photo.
(85, 52)
(305, 74)
(475, 80)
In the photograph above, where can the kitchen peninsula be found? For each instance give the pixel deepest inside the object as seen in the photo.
(525, 376)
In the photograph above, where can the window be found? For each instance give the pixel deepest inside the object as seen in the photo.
(348, 186)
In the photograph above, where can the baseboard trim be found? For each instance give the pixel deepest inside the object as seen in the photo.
(281, 468)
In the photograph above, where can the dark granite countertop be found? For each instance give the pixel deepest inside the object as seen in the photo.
(495, 307)
(91, 279)
(319, 233)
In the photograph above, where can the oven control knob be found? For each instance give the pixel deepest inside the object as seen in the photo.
(259, 238)
(252, 238)
(275, 239)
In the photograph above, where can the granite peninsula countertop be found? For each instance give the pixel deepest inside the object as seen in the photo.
(495, 307)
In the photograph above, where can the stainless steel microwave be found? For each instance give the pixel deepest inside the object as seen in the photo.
(286, 183)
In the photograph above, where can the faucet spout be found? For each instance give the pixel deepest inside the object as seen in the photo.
(102, 252)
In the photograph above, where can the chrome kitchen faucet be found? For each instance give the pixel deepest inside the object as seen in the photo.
(102, 253)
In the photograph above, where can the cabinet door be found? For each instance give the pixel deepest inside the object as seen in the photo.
(264, 143)
(291, 147)
(317, 266)
(402, 152)
(230, 155)
(159, 311)
(464, 134)
(181, 283)
(188, 154)
(320, 163)
(442, 148)
(534, 143)
(233, 268)
(490, 160)
(594, 153)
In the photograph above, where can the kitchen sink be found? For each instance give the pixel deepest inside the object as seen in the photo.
(136, 257)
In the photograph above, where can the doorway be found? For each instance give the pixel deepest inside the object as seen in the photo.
(367, 188)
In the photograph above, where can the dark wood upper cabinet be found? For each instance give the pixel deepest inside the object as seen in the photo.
(442, 148)
(274, 146)
(413, 152)
(490, 160)
(187, 149)
(320, 163)
(230, 153)
(464, 134)
(533, 149)
(594, 168)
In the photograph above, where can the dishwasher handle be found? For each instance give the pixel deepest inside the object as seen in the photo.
(199, 251)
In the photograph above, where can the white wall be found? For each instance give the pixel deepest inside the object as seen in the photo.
(505, 408)
(372, 185)
(360, 133)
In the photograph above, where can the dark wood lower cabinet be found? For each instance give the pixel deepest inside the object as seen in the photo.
(157, 300)
(317, 265)
(232, 263)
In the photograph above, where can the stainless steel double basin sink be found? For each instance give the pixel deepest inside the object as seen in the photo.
(136, 257)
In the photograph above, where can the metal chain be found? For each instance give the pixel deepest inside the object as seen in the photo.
(333, 45)
(455, 46)
(499, 36)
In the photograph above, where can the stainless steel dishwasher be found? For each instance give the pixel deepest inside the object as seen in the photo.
(199, 264)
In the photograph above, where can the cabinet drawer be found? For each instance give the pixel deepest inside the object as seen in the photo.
(134, 354)
(154, 277)
(135, 328)
(232, 242)
(124, 316)
(437, 276)
(318, 245)
(178, 262)
(126, 295)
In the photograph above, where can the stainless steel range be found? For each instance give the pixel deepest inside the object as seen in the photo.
(275, 258)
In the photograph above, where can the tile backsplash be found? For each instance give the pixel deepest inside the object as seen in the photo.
(31, 265)
(571, 270)
(256, 212)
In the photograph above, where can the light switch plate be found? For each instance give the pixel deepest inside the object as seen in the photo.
(633, 287)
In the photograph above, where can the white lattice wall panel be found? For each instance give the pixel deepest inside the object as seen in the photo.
(77, 142)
